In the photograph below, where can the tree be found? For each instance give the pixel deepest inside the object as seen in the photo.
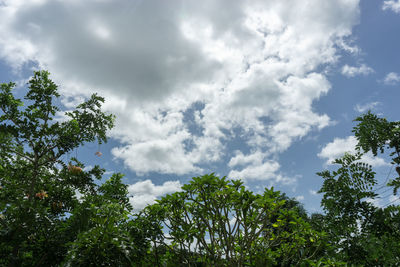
(106, 236)
(37, 186)
(377, 135)
(345, 194)
(215, 221)
(212, 221)
(362, 233)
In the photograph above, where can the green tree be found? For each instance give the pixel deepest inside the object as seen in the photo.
(345, 194)
(37, 186)
(379, 135)
(108, 236)
(218, 222)
(362, 234)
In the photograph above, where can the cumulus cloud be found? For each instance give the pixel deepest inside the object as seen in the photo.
(365, 107)
(392, 5)
(263, 171)
(351, 71)
(145, 192)
(339, 146)
(186, 78)
(253, 166)
(391, 78)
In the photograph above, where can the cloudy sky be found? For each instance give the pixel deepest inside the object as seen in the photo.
(262, 90)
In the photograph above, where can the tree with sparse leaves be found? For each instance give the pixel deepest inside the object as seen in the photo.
(345, 200)
(361, 233)
(379, 135)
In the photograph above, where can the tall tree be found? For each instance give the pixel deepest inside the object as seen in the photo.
(37, 186)
(360, 232)
(345, 200)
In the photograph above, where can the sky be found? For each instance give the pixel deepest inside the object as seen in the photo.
(265, 91)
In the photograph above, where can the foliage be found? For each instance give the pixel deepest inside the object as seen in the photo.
(215, 221)
(362, 234)
(377, 135)
(345, 194)
(103, 226)
(37, 188)
(212, 222)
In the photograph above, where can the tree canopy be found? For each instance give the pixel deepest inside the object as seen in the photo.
(212, 221)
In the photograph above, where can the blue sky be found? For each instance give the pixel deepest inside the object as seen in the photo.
(264, 91)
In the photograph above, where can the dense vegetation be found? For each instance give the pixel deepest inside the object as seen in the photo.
(212, 222)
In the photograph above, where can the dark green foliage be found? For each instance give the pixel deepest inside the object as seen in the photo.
(102, 223)
(37, 187)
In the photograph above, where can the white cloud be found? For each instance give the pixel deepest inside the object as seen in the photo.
(394, 200)
(384, 202)
(392, 5)
(339, 146)
(313, 192)
(241, 159)
(261, 171)
(299, 198)
(376, 202)
(184, 78)
(164, 156)
(348, 45)
(391, 78)
(350, 71)
(254, 166)
(365, 107)
(145, 192)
